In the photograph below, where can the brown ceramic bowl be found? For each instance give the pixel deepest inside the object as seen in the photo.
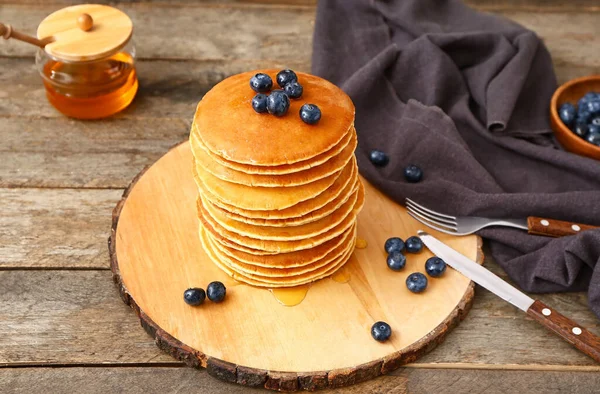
(571, 92)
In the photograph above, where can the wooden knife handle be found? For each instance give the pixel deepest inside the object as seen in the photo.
(554, 228)
(566, 328)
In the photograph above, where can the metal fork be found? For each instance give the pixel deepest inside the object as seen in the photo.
(457, 225)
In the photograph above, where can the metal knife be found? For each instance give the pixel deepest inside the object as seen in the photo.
(562, 326)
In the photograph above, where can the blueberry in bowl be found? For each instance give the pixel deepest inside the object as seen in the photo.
(577, 135)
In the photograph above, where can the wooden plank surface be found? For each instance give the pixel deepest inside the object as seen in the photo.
(77, 317)
(136, 380)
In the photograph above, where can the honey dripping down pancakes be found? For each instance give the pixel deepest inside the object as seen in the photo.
(278, 195)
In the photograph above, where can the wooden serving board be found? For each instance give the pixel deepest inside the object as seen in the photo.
(251, 338)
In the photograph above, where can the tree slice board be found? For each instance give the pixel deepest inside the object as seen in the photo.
(251, 338)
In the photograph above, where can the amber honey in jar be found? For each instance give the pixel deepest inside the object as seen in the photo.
(88, 68)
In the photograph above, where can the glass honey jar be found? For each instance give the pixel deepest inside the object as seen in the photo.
(88, 63)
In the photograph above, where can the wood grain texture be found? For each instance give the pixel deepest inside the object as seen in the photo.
(155, 230)
(566, 328)
(161, 380)
(76, 317)
(555, 228)
(60, 228)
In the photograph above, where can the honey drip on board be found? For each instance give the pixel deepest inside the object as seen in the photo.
(91, 90)
(361, 243)
(290, 296)
(341, 276)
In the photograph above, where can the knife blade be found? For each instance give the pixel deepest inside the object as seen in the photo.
(567, 329)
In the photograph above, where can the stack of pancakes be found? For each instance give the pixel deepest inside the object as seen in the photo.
(278, 197)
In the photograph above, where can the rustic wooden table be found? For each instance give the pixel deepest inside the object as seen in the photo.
(63, 328)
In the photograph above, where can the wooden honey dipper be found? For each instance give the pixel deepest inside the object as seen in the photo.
(84, 22)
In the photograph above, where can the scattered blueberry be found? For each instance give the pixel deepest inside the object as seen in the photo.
(416, 282)
(310, 113)
(581, 129)
(379, 158)
(278, 103)
(567, 113)
(194, 296)
(434, 266)
(286, 76)
(394, 244)
(216, 291)
(413, 174)
(414, 245)
(593, 138)
(381, 331)
(293, 90)
(396, 261)
(259, 103)
(261, 83)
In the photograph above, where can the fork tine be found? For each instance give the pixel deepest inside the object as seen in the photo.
(428, 224)
(453, 218)
(433, 218)
(428, 220)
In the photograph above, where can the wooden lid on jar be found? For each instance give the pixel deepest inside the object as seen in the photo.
(85, 32)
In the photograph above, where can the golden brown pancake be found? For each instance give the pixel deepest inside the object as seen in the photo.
(331, 166)
(230, 128)
(309, 230)
(261, 198)
(286, 260)
(258, 281)
(303, 209)
(280, 169)
(249, 269)
(234, 240)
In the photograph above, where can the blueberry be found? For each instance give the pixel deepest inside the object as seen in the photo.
(416, 282)
(434, 266)
(396, 261)
(194, 296)
(394, 244)
(414, 245)
(278, 103)
(593, 106)
(413, 174)
(293, 90)
(581, 129)
(593, 138)
(567, 113)
(259, 103)
(593, 129)
(286, 76)
(261, 83)
(583, 115)
(595, 121)
(379, 158)
(310, 113)
(381, 331)
(216, 291)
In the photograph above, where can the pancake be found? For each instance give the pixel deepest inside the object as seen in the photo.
(272, 282)
(234, 240)
(309, 230)
(286, 260)
(261, 198)
(271, 272)
(280, 169)
(331, 166)
(230, 128)
(312, 216)
(302, 209)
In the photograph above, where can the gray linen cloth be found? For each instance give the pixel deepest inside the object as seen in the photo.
(465, 95)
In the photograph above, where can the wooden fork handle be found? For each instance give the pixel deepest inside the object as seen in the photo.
(554, 228)
(566, 328)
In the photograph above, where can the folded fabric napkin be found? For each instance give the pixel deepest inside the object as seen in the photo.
(465, 95)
